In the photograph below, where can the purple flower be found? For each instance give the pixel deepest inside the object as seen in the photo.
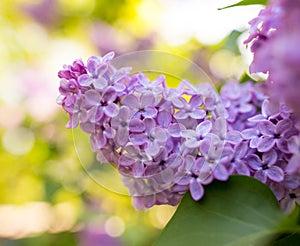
(211, 148)
(265, 168)
(268, 112)
(194, 137)
(274, 134)
(197, 176)
(154, 138)
(121, 123)
(100, 137)
(135, 158)
(253, 135)
(98, 105)
(142, 106)
(238, 162)
(156, 87)
(274, 37)
(290, 200)
(96, 67)
(191, 109)
(72, 71)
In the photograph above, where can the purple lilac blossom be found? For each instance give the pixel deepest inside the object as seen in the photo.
(270, 147)
(274, 38)
(166, 141)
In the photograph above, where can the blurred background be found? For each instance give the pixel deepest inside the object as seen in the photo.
(46, 197)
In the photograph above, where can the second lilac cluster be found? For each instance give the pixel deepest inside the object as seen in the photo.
(270, 146)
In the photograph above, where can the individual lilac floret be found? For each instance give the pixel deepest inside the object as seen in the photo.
(274, 134)
(73, 71)
(265, 168)
(290, 200)
(238, 162)
(191, 109)
(96, 69)
(121, 124)
(194, 137)
(196, 176)
(142, 105)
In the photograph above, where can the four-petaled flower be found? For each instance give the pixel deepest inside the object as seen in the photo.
(191, 109)
(142, 106)
(265, 168)
(197, 175)
(274, 135)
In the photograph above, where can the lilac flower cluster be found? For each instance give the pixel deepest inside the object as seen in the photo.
(163, 141)
(166, 141)
(270, 146)
(274, 38)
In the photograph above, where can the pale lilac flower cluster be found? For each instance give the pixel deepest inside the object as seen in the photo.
(166, 141)
(163, 141)
(270, 146)
(274, 38)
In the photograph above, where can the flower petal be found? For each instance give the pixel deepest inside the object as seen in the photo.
(147, 99)
(220, 172)
(85, 80)
(283, 126)
(249, 133)
(267, 128)
(254, 162)
(126, 161)
(275, 173)
(99, 83)
(192, 143)
(269, 158)
(233, 137)
(131, 101)
(92, 98)
(261, 175)
(180, 115)
(293, 164)
(164, 118)
(136, 125)
(204, 127)
(122, 136)
(265, 144)
(242, 168)
(196, 190)
(152, 148)
(111, 110)
(241, 150)
(138, 169)
(109, 95)
(198, 114)
(138, 139)
(195, 101)
(149, 112)
(159, 134)
(175, 130)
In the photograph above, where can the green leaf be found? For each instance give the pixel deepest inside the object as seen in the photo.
(245, 78)
(246, 2)
(241, 211)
